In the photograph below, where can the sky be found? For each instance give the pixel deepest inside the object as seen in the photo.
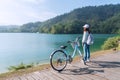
(18, 12)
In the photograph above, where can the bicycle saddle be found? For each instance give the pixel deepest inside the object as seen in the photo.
(63, 47)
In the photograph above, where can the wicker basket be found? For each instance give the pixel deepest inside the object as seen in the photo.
(75, 43)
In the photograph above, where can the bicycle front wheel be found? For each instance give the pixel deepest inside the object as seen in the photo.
(58, 60)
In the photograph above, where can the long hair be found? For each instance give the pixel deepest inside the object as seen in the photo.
(87, 29)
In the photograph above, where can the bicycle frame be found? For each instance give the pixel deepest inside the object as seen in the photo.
(76, 49)
(64, 57)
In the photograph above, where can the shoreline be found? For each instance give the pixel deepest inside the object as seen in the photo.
(47, 66)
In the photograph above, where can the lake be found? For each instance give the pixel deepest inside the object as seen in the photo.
(36, 48)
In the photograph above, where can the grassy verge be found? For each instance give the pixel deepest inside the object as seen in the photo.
(46, 66)
(24, 71)
(20, 66)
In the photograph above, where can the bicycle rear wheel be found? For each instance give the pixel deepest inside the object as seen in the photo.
(58, 60)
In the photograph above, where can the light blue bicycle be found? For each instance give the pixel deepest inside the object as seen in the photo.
(60, 57)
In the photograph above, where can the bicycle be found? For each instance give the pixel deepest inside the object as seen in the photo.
(60, 57)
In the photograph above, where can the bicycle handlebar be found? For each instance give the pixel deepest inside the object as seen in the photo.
(76, 40)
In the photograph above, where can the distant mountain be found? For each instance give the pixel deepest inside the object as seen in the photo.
(9, 28)
(30, 27)
(97, 16)
(102, 19)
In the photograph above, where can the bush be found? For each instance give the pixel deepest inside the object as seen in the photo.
(111, 43)
(20, 66)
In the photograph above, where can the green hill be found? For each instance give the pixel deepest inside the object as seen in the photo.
(103, 19)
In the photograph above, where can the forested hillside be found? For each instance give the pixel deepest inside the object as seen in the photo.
(102, 19)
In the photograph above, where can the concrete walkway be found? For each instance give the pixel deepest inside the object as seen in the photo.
(104, 67)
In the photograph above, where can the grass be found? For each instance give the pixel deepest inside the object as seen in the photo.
(22, 71)
(20, 66)
(25, 69)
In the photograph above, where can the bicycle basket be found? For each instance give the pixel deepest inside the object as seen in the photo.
(75, 43)
(78, 43)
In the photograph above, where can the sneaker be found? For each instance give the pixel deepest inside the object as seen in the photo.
(83, 61)
(88, 60)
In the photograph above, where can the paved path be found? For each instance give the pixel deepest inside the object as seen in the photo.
(104, 67)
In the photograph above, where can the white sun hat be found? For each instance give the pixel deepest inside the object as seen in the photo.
(86, 26)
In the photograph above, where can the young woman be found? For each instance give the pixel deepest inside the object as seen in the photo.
(86, 48)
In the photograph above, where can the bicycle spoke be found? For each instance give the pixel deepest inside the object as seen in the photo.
(58, 60)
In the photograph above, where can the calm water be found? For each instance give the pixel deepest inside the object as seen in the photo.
(33, 48)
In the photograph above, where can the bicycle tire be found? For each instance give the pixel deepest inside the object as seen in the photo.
(58, 60)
